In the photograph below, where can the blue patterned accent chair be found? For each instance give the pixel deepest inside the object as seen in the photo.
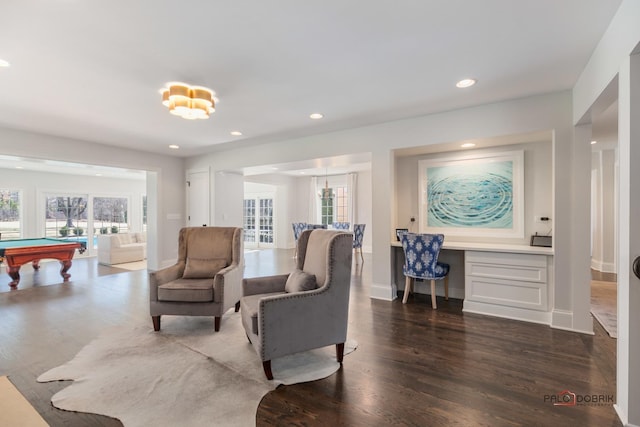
(341, 225)
(358, 236)
(421, 262)
(317, 226)
(298, 228)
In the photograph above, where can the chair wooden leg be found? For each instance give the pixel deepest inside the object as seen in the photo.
(156, 323)
(407, 289)
(433, 294)
(361, 255)
(266, 365)
(446, 288)
(339, 352)
(217, 324)
(238, 306)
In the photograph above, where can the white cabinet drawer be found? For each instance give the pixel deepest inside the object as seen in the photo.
(521, 294)
(519, 281)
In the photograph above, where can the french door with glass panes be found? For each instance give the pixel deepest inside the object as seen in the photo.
(258, 221)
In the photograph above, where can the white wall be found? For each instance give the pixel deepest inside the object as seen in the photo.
(34, 185)
(603, 199)
(165, 180)
(549, 112)
(227, 199)
(363, 213)
(281, 188)
(613, 59)
(292, 201)
(538, 188)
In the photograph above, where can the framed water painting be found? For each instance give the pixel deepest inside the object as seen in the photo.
(473, 196)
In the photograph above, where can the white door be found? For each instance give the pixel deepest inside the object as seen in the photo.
(198, 198)
(259, 221)
(628, 342)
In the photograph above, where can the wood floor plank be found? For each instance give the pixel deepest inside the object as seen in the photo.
(413, 365)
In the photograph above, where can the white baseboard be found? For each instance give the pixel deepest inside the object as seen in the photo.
(563, 319)
(506, 312)
(383, 291)
(622, 417)
(603, 267)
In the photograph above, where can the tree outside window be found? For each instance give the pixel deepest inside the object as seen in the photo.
(66, 216)
(10, 214)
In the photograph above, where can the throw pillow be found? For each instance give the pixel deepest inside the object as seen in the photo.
(300, 281)
(203, 268)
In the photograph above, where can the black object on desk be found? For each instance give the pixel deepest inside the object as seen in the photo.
(400, 232)
(543, 241)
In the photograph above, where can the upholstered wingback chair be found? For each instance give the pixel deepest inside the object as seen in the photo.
(207, 278)
(306, 309)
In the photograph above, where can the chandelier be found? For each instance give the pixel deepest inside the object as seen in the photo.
(188, 102)
(326, 192)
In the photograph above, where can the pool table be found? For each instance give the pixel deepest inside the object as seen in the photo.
(21, 251)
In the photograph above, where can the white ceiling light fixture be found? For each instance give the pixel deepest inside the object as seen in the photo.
(315, 116)
(594, 142)
(236, 133)
(188, 102)
(468, 145)
(174, 146)
(4, 63)
(464, 83)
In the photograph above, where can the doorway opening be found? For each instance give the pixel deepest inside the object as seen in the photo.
(259, 220)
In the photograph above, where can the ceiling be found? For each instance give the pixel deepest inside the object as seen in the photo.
(92, 70)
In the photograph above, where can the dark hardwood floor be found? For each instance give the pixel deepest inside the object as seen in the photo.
(413, 366)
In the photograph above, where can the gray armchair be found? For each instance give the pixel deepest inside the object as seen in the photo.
(205, 281)
(280, 319)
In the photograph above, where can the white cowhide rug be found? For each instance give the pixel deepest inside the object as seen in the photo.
(185, 375)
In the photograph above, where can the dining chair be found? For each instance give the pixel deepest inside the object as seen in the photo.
(298, 228)
(358, 236)
(316, 226)
(421, 262)
(341, 225)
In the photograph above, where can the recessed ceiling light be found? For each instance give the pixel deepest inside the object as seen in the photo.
(594, 142)
(174, 146)
(468, 145)
(98, 174)
(315, 116)
(302, 173)
(274, 168)
(236, 133)
(4, 63)
(466, 83)
(19, 167)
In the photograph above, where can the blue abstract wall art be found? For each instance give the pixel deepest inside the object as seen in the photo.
(479, 195)
(473, 196)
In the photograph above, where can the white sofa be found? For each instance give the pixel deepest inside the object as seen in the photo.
(121, 247)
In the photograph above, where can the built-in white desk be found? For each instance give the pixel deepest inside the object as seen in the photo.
(514, 281)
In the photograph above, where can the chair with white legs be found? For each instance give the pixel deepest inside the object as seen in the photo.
(421, 262)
